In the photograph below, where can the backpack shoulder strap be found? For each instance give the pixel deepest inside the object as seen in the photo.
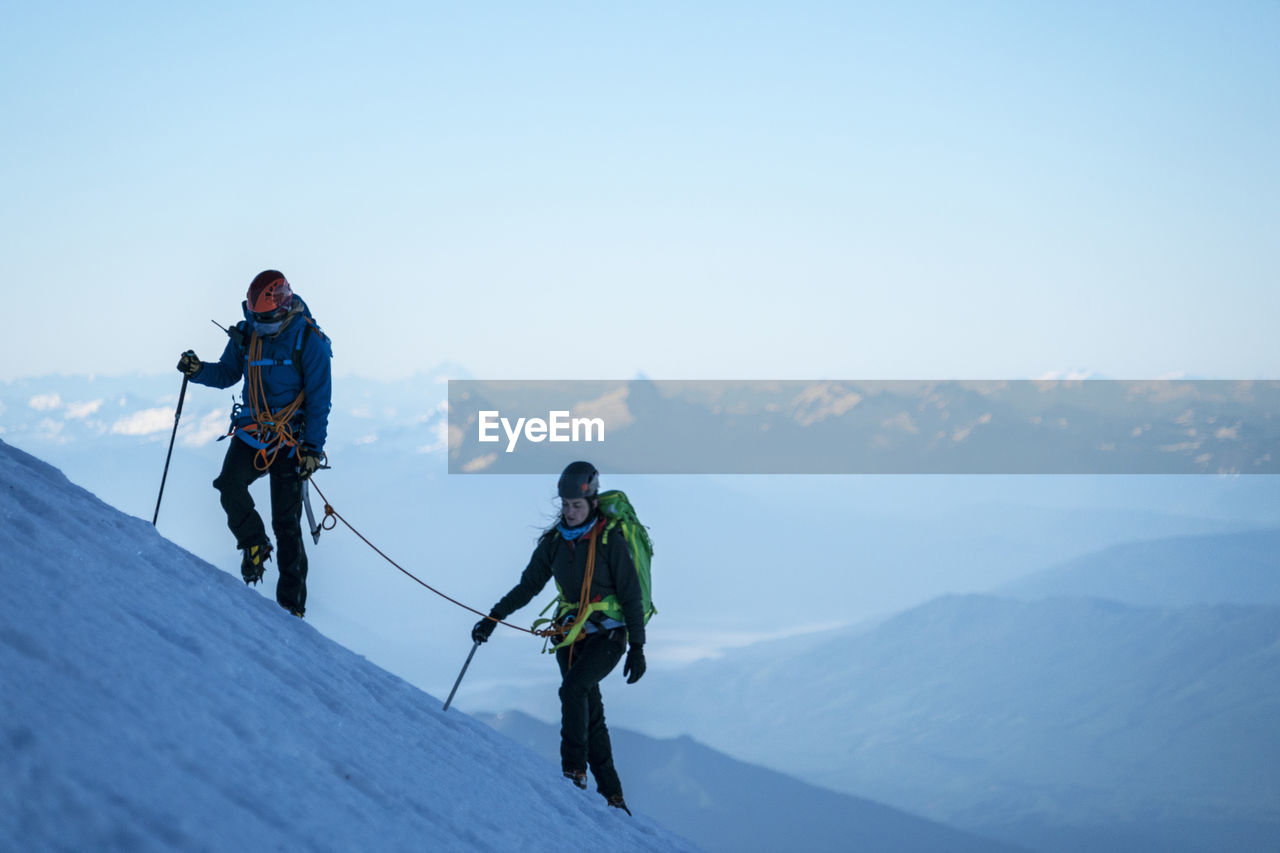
(613, 522)
(300, 341)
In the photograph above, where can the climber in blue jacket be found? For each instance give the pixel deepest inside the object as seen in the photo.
(279, 428)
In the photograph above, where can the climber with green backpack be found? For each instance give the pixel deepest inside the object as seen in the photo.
(598, 553)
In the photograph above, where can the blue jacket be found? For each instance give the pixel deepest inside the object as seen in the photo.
(281, 382)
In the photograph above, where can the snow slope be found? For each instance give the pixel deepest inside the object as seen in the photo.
(151, 701)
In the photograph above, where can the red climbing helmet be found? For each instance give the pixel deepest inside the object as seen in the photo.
(269, 295)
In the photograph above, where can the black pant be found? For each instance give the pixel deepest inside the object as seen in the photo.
(584, 738)
(238, 471)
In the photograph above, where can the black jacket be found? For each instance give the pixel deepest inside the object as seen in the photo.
(615, 574)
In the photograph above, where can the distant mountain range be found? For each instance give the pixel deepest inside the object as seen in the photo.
(1061, 723)
(727, 805)
(871, 546)
(874, 544)
(1235, 568)
(873, 427)
(124, 411)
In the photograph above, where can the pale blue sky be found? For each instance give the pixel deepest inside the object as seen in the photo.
(590, 190)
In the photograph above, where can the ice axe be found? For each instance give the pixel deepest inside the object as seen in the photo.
(448, 701)
(311, 516)
(306, 504)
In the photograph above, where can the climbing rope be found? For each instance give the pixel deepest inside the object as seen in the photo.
(272, 429)
(330, 521)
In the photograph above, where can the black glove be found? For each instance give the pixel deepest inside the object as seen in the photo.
(308, 461)
(634, 667)
(483, 629)
(188, 364)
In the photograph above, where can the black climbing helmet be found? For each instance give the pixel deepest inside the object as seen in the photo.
(579, 480)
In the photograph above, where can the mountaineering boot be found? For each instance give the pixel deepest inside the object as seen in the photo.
(577, 777)
(251, 567)
(617, 802)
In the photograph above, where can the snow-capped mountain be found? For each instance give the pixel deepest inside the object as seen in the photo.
(126, 411)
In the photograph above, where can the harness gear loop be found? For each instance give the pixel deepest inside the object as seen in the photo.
(270, 430)
(329, 511)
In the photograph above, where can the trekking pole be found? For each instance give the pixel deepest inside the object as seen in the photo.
(176, 415)
(459, 681)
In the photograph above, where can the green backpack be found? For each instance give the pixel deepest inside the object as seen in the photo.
(621, 518)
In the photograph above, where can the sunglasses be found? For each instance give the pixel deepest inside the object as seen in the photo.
(269, 316)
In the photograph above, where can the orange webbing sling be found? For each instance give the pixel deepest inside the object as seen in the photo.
(584, 598)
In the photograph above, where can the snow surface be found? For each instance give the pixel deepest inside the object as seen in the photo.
(151, 701)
